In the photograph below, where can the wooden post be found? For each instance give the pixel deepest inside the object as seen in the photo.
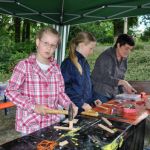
(125, 31)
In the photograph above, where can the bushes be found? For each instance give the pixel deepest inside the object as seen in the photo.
(139, 46)
(106, 39)
(11, 54)
(4, 76)
(6, 48)
(145, 37)
(103, 31)
(15, 58)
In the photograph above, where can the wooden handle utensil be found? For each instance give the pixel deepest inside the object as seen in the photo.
(106, 121)
(106, 128)
(90, 113)
(54, 111)
(103, 107)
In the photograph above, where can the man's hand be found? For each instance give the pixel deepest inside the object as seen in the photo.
(86, 107)
(147, 104)
(129, 89)
(97, 102)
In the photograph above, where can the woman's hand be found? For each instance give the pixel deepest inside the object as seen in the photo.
(75, 110)
(97, 102)
(86, 107)
(40, 109)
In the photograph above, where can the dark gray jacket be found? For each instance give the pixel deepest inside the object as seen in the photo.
(107, 72)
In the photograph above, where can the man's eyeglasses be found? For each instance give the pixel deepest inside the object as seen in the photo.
(46, 44)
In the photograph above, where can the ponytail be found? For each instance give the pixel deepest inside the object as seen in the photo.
(73, 56)
(82, 37)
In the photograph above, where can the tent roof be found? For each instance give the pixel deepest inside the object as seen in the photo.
(63, 12)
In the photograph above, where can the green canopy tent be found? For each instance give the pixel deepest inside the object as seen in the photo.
(63, 13)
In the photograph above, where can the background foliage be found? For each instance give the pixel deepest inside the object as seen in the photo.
(17, 38)
(138, 61)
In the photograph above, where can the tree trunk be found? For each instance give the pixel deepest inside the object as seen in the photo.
(17, 23)
(23, 31)
(26, 30)
(118, 27)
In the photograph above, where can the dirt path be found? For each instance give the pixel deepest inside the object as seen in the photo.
(7, 126)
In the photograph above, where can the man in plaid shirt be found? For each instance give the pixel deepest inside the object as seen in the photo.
(37, 84)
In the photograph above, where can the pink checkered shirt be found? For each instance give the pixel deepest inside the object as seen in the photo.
(28, 86)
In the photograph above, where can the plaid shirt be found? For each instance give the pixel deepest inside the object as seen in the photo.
(28, 86)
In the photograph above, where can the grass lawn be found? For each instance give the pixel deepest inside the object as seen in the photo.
(7, 126)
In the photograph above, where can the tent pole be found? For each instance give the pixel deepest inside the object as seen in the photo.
(125, 31)
(64, 33)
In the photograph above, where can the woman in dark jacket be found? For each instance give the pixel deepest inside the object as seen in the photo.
(76, 71)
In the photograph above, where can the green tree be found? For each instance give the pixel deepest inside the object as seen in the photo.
(100, 30)
(146, 35)
(6, 26)
(17, 26)
(26, 30)
(119, 24)
(145, 19)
